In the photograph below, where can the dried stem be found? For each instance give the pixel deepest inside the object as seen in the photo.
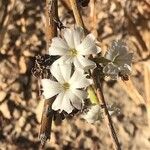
(51, 14)
(66, 4)
(97, 82)
(76, 12)
(50, 32)
(108, 119)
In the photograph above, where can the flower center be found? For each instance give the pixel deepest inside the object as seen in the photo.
(66, 86)
(72, 52)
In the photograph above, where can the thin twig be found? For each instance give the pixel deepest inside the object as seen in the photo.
(97, 82)
(66, 5)
(76, 12)
(50, 32)
(101, 99)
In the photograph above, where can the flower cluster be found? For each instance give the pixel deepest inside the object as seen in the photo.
(70, 80)
(70, 85)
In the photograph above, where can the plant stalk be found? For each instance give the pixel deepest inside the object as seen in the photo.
(77, 14)
(50, 32)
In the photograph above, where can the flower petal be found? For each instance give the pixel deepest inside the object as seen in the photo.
(58, 46)
(80, 94)
(67, 106)
(86, 63)
(57, 51)
(77, 36)
(62, 102)
(76, 76)
(87, 46)
(56, 72)
(59, 42)
(57, 104)
(50, 88)
(94, 114)
(80, 82)
(66, 71)
(68, 35)
(76, 101)
(64, 60)
(77, 63)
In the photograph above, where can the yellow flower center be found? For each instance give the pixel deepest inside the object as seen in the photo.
(66, 86)
(72, 52)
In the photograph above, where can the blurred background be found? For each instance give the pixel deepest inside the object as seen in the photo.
(22, 38)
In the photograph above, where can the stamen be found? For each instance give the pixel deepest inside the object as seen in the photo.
(72, 52)
(66, 86)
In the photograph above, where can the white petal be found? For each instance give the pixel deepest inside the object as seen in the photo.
(59, 42)
(80, 94)
(57, 51)
(86, 63)
(64, 59)
(77, 63)
(94, 114)
(58, 47)
(66, 105)
(68, 35)
(56, 72)
(78, 35)
(50, 88)
(62, 102)
(80, 82)
(76, 76)
(76, 101)
(87, 46)
(58, 102)
(66, 71)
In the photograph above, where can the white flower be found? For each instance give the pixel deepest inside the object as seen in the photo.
(68, 89)
(120, 60)
(94, 114)
(73, 48)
